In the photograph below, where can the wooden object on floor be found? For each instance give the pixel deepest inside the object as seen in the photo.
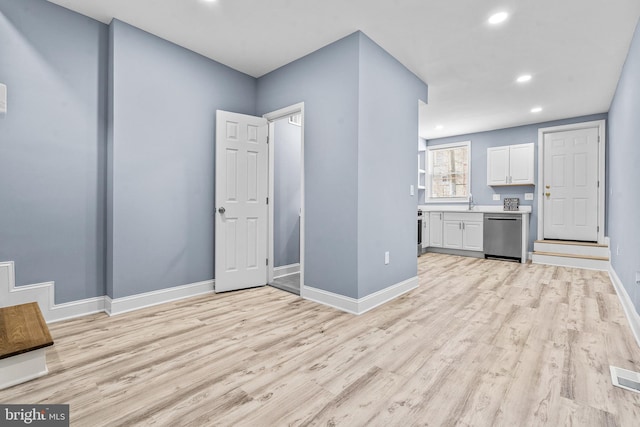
(478, 343)
(24, 335)
(22, 329)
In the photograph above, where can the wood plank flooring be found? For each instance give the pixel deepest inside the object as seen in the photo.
(478, 343)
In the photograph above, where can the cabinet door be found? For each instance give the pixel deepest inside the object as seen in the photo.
(435, 229)
(472, 236)
(497, 165)
(452, 234)
(521, 164)
(425, 231)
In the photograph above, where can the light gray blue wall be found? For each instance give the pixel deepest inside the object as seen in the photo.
(52, 147)
(164, 99)
(327, 82)
(387, 141)
(624, 173)
(482, 193)
(287, 192)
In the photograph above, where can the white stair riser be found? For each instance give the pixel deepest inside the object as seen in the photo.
(598, 251)
(561, 261)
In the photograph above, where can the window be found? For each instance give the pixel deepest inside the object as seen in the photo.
(449, 172)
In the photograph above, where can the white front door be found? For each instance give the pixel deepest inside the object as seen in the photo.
(241, 201)
(570, 190)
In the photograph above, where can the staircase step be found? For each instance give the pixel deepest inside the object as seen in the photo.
(571, 248)
(24, 329)
(571, 260)
(599, 258)
(571, 242)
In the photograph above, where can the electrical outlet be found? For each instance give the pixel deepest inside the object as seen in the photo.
(528, 196)
(496, 197)
(386, 258)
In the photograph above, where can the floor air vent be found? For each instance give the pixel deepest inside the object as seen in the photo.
(625, 379)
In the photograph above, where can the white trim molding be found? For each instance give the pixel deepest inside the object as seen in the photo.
(271, 118)
(286, 270)
(44, 295)
(629, 309)
(115, 306)
(601, 126)
(23, 367)
(361, 305)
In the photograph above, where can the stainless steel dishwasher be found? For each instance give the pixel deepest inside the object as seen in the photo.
(503, 236)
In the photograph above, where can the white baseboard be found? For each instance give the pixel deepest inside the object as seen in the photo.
(629, 309)
(360, 305)
(286, 270)
(22, 368)
(135, 302)
(44, 295)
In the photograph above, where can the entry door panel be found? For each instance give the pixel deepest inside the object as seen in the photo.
(241, 201)
(571, 185)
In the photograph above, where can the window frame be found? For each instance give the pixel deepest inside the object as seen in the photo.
(429, 177)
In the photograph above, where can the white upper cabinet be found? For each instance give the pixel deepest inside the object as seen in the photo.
(498, 165)
(511, 165)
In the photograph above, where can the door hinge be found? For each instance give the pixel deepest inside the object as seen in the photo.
(267, 200)
(598, 184)
(598, 229)
(267, 139)
(267, 261)
(598, 138)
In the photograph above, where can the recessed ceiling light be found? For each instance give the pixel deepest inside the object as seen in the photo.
(497, 18)
(524, 78)
(439, 127)
(536, 109)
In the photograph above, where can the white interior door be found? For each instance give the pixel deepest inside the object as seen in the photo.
(241, 201)
(570, 190)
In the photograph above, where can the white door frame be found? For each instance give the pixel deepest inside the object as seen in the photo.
(600, 124)
(271, 118)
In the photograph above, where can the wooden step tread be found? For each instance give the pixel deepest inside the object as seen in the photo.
(568, 242)
(596, 258)
(22, 329)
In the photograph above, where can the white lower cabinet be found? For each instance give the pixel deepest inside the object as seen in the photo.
(472, 236)
(462, 231)
(425, 230)
(435, 229)
(452, 234)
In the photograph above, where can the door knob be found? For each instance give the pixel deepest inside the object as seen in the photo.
(548, 187)
(222, 210)
(547, 194)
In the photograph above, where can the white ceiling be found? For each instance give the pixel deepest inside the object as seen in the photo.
(574, 49)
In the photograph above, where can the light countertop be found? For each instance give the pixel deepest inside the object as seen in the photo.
(476, 208)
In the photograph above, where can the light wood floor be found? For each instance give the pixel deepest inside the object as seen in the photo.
(479, 343)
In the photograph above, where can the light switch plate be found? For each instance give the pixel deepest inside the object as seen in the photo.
(496, 197)
(528, 196)
(411, 190)
(386, 258)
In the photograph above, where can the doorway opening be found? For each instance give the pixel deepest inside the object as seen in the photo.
(571, 179)
(286, 195)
